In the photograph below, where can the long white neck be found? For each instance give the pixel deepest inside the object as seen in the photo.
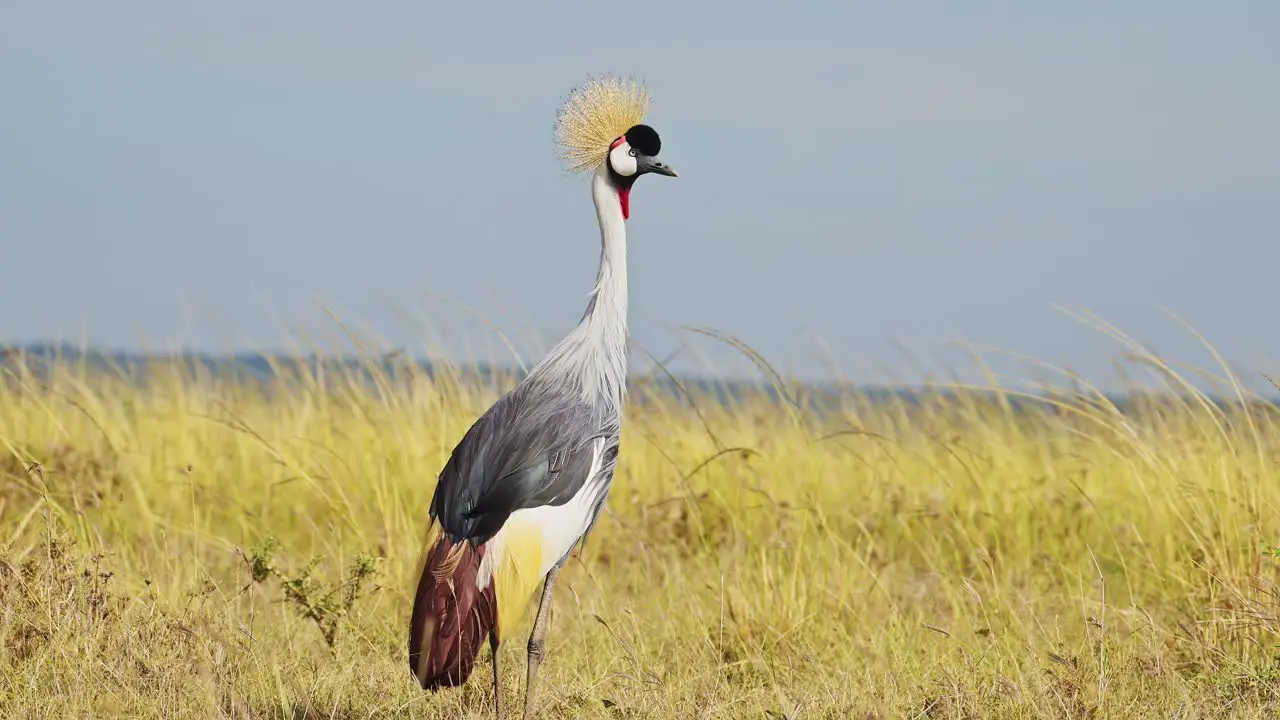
(608, 307)
(594, 355)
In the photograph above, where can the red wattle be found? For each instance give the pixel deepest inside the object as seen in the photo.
(624, 199)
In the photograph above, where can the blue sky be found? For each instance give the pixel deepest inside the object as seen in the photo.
(855, 178)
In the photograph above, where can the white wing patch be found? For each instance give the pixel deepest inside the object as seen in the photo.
(559, 526)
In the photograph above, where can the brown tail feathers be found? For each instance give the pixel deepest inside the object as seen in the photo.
(452, 616)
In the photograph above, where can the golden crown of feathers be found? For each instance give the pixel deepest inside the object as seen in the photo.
(597, 112)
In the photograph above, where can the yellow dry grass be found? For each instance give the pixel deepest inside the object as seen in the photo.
(954, 559)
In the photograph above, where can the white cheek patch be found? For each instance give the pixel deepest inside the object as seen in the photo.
(621, 161)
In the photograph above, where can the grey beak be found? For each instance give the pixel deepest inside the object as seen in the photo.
(656, 166)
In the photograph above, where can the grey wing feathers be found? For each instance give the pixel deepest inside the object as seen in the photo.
(534, 447)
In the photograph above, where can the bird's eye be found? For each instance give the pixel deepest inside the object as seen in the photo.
(632, 152)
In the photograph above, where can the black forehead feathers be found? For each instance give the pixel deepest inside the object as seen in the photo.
(644, 139)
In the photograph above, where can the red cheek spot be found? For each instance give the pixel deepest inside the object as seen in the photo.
(624, 199)
(617, 142)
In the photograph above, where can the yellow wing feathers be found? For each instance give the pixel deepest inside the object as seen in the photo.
(518, 571)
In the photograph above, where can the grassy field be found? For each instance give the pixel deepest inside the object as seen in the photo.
(201, 547)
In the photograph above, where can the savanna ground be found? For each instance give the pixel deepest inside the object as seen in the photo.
(204, 547)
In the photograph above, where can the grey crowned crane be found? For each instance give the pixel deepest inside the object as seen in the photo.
(528, 480)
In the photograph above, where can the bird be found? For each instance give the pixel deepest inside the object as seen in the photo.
(528, 480)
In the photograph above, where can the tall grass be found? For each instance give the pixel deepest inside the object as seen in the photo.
(195, 545)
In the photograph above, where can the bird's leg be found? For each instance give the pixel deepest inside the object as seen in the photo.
(497, 688)
(537, 639)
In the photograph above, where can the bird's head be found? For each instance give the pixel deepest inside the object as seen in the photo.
(601, 128)
(635, 153)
